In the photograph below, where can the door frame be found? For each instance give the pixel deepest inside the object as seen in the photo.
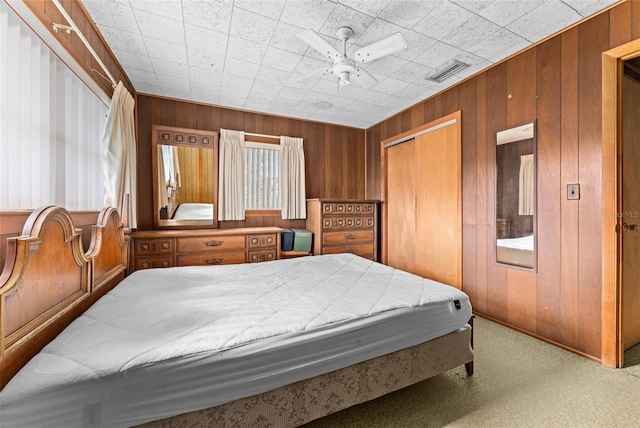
(612, 353)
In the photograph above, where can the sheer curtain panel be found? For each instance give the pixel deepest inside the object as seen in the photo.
(231, 175)
(50, 126)
(294, 203)
(119, 153)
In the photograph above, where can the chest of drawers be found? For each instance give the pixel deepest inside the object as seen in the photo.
(204, 247)
(344, 226)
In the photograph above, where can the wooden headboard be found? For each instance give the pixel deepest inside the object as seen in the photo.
(48, 281)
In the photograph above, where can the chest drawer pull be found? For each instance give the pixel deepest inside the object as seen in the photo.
(349, 236)
(350, 251)
(213, 243)
(213, 261)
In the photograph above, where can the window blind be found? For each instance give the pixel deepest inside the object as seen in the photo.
(262, 176)
(50, 126)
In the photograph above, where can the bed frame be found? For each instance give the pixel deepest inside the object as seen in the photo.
(48, 281)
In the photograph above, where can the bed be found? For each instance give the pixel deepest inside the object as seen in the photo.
(516, 251)
(193, 211)
(280, 343)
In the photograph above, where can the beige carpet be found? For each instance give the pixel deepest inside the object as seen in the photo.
(519, 381)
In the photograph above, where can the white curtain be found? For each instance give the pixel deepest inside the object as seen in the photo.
(527, 186)
(231, 175)
(119, 153)
(294, 203)
(177, 177)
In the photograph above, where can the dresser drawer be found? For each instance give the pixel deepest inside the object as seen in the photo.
(153, 262)
(210, 244)
(362, 250)
(347, 222)
(348, 208)
(256, 256)
(347, 237)
(259, 241)
(211, 258)
(146, 247)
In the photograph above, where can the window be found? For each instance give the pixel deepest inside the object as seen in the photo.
(262, 176)
(51, 126)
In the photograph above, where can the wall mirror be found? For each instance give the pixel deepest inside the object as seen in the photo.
(516, 196)
(185, 177)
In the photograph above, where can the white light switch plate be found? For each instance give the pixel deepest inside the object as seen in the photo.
(573, 191)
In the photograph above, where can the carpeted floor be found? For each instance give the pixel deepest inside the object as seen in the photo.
(519, 381)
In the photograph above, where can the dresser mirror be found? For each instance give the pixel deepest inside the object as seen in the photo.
(185, 177)
(516, 196)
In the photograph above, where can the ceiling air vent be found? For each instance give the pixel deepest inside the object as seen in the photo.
(443, 73)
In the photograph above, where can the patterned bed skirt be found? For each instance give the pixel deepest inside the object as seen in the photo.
(301, 402)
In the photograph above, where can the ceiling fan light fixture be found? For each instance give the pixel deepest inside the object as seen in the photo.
(345, 78)
(343, 66)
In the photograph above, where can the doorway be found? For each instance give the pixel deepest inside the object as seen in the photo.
(620, 201)
(629, 149)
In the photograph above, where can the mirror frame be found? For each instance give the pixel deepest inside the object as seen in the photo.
(183, 137)
(534, 137)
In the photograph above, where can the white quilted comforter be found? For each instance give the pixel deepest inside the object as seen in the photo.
(165, 338)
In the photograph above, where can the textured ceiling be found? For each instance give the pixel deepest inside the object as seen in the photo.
(245, 53)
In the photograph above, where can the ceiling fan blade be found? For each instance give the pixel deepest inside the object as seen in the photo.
(386, 46)
(363, 78)
(313, 76)
(319, 44)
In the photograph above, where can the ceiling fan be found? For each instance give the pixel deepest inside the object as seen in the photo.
(344, 67)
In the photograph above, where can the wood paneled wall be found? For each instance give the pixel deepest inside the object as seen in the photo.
(557, 82)
(334, 155)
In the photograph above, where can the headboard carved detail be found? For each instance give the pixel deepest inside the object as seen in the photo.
(108, 248)
(48, 281)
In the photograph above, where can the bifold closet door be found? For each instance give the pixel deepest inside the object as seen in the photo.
(422, 202)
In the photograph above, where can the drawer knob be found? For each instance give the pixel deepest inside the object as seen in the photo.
(213, 243)
(213, 261)
(349, 236)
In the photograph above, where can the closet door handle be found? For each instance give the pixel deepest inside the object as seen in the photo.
(213, 243)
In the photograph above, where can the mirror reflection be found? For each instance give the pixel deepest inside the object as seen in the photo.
(185, 177)
(185, 184)
(516, 196)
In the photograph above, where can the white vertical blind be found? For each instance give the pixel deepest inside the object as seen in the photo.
(262, 176)
(50, 126)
